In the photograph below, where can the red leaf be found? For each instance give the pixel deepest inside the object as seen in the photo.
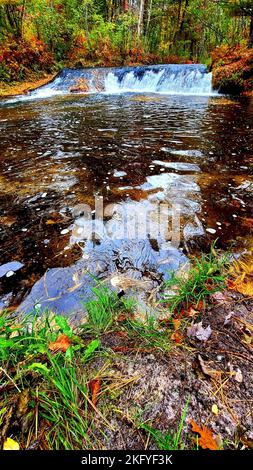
(94, 386)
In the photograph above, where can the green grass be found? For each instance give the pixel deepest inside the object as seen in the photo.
(103, 309)
(63, 404)
(206, 276)
(57, 383)
(171, 440)
(148, 334)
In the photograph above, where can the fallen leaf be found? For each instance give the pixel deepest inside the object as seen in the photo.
(242, 273)
(247, 339)
(177, 337)
(219, 298)
(8, 221)
(214, 374)
(228, 318)
(23, 400)
(206, 439)
(215, 410)
(248, 222)
(50, 222)
(218, 440)
(121, 334)
(121, 317)
(123, 349)
(94, 386)
(61, 344)
(238, 376)
(231, 284)
(165, 322)
(192, 312)
(10, 444)
(197, 331)
(176, 324)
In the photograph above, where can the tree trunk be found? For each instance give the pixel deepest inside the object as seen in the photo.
(250, 41)
(149, 17)
(13, 19)
(141, 17)
(22, 17)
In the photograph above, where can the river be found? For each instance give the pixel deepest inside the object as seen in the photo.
(138, 147)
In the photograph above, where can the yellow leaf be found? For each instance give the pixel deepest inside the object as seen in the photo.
(10, 444)
(215, 410)
(242, 273)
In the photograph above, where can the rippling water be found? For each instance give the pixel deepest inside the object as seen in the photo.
(135, 150)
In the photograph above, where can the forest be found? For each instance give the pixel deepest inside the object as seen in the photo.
(48, 34)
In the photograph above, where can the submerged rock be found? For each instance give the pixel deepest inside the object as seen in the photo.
(10, 267)
(65, 290)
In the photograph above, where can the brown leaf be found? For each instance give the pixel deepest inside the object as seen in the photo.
(94, 386)
(23, 400)
(61, 344)
(214, 374)
(206, 439)
(165, 322)
(123, 349)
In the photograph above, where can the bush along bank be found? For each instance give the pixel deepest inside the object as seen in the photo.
(233, 70)
(180, 380)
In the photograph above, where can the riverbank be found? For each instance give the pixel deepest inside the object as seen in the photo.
(182, 380)
(8, 90)
(232, 69)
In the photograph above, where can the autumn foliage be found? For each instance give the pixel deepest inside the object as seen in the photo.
(18, 58)
(233, 69)
(37, 35)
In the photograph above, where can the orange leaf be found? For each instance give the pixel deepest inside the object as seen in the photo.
(206, 440)
(199, 305)
(61, 344)
(231, 284)
(177, 337)
(94, 386)
(192, 312)
(176, 323)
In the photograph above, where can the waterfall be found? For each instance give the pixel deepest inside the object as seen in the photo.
(172, 79)
(182, 79)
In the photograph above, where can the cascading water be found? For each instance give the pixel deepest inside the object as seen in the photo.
(188, 79)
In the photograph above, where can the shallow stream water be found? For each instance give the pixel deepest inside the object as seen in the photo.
(136, 150)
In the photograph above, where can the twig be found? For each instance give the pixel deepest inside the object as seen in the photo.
(7, 375)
